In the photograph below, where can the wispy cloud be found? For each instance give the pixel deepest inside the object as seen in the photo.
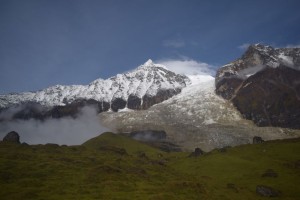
(243, 46)
(187, 66)
(246, 45)
(293, 46)
(175, 43)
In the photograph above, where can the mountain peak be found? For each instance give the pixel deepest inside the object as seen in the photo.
(261, 47)
(148, 63)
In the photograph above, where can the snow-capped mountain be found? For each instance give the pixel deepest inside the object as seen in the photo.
(259, 57)
(138, 89)
(264, 85)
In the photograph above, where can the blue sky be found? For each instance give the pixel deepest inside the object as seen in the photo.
(49, 42)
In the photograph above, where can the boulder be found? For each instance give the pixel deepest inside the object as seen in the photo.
(269, 173)
(267, 191)
(257, 140)
(12, 137)
(223, 149)
(232, 187)
(198, 152)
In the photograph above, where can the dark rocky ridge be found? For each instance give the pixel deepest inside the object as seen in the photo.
(269, 97)
(37, 111)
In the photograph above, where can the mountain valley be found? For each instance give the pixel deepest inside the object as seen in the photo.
(171, 136)
(194, 110)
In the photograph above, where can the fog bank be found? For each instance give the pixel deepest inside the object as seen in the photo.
(66, 130)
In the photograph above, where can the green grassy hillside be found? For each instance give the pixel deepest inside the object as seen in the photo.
(115, 167)
(131, 146)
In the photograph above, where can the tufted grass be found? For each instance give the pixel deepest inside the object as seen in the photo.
(116, 167)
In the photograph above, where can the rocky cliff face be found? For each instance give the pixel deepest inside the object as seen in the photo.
(141, 88)
(264, 85)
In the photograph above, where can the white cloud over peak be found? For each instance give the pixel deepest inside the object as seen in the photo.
(188, 66)
(244, 46)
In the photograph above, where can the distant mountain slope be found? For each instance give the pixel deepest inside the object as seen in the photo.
(264, 85)
(138, 89)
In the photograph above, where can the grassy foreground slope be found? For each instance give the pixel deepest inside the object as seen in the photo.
(116, 167)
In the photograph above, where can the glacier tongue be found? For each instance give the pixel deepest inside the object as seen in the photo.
(196, 117)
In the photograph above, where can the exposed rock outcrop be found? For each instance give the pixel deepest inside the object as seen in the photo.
(12, 137)
(257, 140)
(161, 96)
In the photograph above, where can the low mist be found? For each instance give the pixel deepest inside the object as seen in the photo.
(66, 130)
(149, 135)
